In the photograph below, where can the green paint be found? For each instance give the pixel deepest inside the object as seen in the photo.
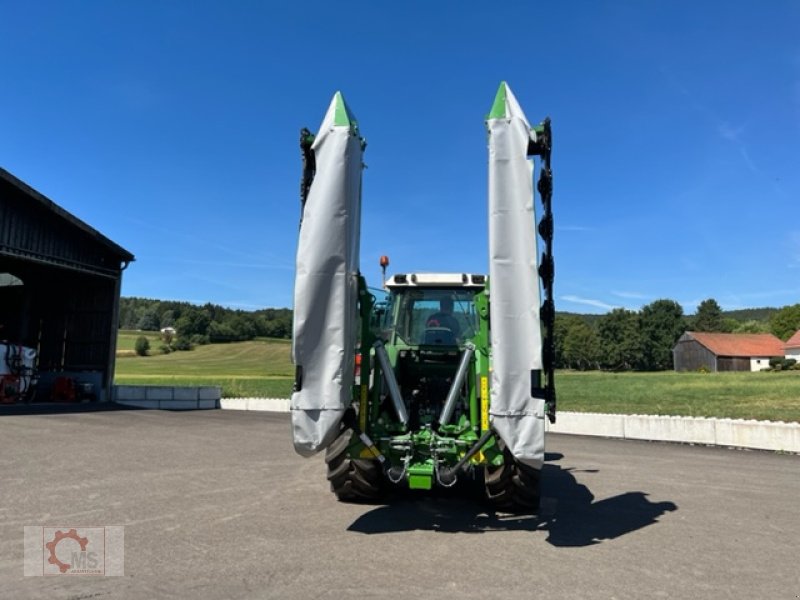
(499, 107)
(420, 475)
(422, 447)
(343, 116)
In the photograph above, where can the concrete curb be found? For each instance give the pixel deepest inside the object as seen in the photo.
(167, 397)
(740, 433)
(266, 404)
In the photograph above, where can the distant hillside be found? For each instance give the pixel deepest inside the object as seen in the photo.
(750, 314)
(743, 314)
(215, 323)
(590, 319)
(201, 324)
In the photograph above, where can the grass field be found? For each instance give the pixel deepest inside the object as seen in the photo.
(262, 368)
(770, 396)
(126, 340)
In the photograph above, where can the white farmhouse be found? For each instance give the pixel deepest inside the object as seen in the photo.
(792, 347)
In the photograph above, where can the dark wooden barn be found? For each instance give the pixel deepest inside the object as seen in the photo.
(725, 351)
(59, 294)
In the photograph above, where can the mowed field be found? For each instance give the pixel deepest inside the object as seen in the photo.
(259, 368)
(262, 368)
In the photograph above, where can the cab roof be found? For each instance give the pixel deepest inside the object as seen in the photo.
(465, 280)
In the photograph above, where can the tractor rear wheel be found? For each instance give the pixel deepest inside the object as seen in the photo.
(353, 479)
(513, 486)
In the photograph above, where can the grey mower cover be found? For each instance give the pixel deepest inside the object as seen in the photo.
(514, 296)
(326, 283)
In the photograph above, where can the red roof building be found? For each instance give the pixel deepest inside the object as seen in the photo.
(726, 351)
(794, 341)
(793, 347)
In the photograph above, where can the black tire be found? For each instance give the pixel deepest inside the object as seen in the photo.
(353, 479)
(513, 486)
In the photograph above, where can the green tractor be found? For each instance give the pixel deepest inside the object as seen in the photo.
(446, 378)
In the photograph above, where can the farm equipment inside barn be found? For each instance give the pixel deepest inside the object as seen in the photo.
(17, 372)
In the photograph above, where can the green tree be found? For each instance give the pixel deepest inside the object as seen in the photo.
(561, 328)
(148, 321)
(221, 332)
(274, 323)
(620, 340)
(751, 326)
(785, 322)
(661, 324)
(193, 321)
(168, 318)
(729, 324)
(708, 317)
(142, 346)
(581, 347)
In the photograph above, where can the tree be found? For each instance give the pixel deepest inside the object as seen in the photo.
(563, 323)
(168, 318)
(142, 346)
(751, 326)
(581, 348)
(620, 340)
(708, 317)
(661, 324)
(148, 321)
(193, 321)
(785, 322)
(221, 332)
(274, 323)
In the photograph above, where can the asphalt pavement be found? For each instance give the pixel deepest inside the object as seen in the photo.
(216, 504)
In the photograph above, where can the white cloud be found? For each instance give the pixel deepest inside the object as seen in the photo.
(588, 302)
(630, 295)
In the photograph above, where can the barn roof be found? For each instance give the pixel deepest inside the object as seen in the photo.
(739, 344)
(51, 206)
(794, 341)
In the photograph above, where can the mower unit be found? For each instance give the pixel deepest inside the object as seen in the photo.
(455, 370)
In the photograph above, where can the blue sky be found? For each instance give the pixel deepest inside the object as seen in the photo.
(172, 128)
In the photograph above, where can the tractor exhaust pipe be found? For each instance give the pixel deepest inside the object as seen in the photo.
(455, 388)
(391, 382)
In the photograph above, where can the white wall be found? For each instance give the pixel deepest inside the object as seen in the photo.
(757, 363)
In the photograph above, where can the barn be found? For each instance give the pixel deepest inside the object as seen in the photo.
(60, 283)
(725, 351)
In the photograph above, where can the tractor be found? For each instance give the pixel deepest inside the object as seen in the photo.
(449, 377)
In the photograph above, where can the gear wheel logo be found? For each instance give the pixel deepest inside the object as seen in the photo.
(51, 547)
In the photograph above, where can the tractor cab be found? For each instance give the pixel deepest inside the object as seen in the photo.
(431, 309)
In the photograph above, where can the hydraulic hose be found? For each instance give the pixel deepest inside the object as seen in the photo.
(391, 382)
(455, 388)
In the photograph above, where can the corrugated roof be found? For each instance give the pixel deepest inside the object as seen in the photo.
(740, 344)
(794, 341)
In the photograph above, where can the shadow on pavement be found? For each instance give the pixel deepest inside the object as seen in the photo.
(568, 513)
